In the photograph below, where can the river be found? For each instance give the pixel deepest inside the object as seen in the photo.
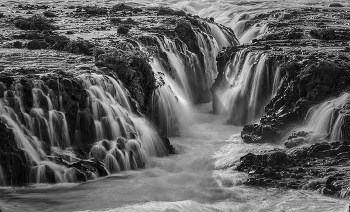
(200, 177)
(195, 179)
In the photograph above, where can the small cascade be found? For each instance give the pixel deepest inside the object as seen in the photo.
(219, 35)
(250, 81)
(36, 131)
(210, 49)
(189, 79)
(251, 33)
(329, 119)
(195, 72)
(119, 140)
(172, 111)
(244, 32)
(124, 140)
(2, 177)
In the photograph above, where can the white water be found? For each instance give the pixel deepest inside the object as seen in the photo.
(196, 179)
(325, 120)
(249, 84)
(122, 140)
(193, 180)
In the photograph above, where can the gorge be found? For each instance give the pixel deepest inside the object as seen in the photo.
(182, 106)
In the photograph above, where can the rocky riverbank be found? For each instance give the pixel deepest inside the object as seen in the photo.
(312, 48)
(56, 60)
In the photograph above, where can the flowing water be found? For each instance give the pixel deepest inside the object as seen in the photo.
(201, 176)
(193, 180)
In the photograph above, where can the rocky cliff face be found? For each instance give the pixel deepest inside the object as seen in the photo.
(75, 94)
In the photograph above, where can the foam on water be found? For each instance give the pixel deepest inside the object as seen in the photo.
(201, 177)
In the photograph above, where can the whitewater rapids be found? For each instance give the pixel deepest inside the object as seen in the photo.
(199, 178)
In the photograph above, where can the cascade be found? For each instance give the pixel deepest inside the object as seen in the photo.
(219, 36)
(327, 120)
(121, 140)
(124, 141)
(40, 123)
(195, 72)
(250, 81)
(188, 82)
(2, 177)
(171, 108)
(244, 32)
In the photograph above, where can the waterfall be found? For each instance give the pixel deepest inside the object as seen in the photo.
(172, 109)
(119, 139)
(123, 138)
(189, 80)
(2, 177)
(195, 72)
(244, 32)
(250, 81)
(327, 120)
(219, 36)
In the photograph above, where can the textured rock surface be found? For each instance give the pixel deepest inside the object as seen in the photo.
(314, 64)
(312, 47)
(322, 167)
(37, 48)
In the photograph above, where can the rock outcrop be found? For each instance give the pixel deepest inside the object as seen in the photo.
(60, 82)
(314, 66)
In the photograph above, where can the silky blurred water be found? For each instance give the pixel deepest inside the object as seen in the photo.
(201, 177)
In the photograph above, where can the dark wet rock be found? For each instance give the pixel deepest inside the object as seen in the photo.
(94, 10)
(35, 22)
(132, 68)
(186, 33)
(116, 20)
(169, 11)
(12, 159)
(32, 6)
(123, 30)
(331, 34)
(335, 5)
(49, 14)
(79, 46)
(293, 142)
(121, 7)
(302, 86)
(37, 44)
(300, 168)
(18, 44)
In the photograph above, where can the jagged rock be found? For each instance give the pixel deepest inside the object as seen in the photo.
(18, 44)
(335, 5)
(300, 168)
(49, 14)
(116, 20)
(117, 56)
(123, 30)
(35, 22)
(37, 44)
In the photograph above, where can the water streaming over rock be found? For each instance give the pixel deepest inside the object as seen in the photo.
(2, 177)
(250, 80)
(171, 108)
(243, 30)
(118, 138)
(329, 119)
(189, 79)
